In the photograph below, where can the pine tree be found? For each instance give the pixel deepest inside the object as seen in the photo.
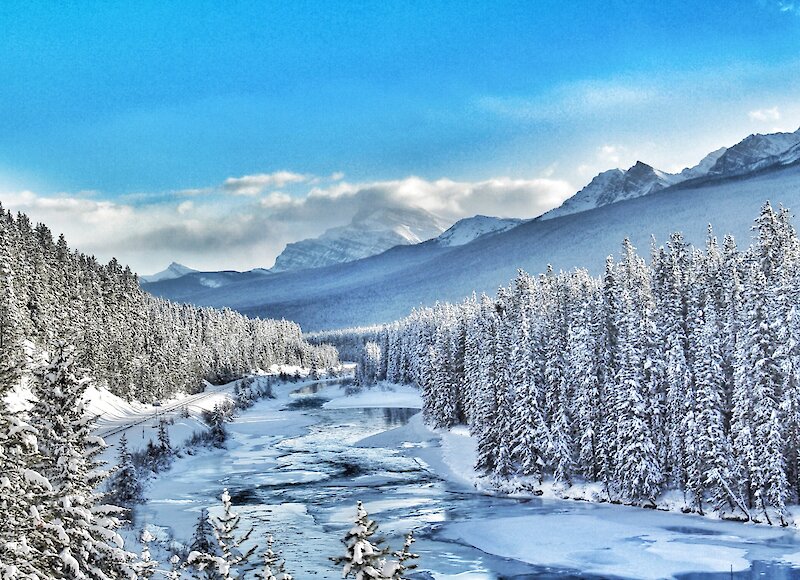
(223, 559)
(583, 375)
(175, 568)
(396, 569)
(363, 554)
(203, 538)
(637, 462)
(78, 536)
(531, 438)
(163, 437)
(125, 485)
(146, 567)
(271, 560)
(230, 545)
(561, 450)
(444, 384)
(484, 426)
(274, 567)
(767, 467)
(22, 485)
(714, 450)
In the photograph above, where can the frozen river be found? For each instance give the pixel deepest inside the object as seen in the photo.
(296, 469)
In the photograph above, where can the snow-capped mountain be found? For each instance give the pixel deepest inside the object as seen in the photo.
(615, 185)
(705, 165)
(754, 152)
(369, 233)
(791, 155)
(387, 286)
(469, 229)
(174, 270)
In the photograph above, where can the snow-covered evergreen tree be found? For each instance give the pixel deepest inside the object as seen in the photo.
(364, 554)
(274, 567)
(203, 536)
(232, 551)
(146, 566)
(396, 569)
(681, 374)
(77, 531)
(22, 485)
(125, 485)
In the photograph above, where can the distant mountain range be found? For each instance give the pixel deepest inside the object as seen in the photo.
(615, 185)
(369, 233)
(478, 254)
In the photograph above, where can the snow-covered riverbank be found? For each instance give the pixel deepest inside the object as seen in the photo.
(296, 464)
(601, 538)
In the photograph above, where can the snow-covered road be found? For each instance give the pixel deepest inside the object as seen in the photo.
(149, 415)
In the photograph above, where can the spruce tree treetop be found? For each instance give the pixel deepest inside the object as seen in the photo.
(363, 554)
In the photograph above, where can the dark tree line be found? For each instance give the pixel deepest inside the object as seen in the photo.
(138, 346)
(681, 372)
(63, 315)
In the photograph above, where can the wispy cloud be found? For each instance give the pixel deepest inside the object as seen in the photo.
(764, 115)
(572, 100)
(211, 232)
(445, 197)
(259, 182)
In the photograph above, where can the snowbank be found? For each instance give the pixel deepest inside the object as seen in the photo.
(394, 396)
(626, 545)
(596, 538)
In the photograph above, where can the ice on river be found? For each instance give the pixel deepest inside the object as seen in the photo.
(296, 465)
(611, 542)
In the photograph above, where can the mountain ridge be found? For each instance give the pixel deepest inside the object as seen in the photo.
(387, 286)
(368, 233)
(174, 270)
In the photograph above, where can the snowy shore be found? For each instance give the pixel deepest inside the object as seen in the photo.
(601, 538)
(549, 532)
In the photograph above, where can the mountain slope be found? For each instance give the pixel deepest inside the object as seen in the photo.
(613, 186)
(184, 288)
(705, 165)
(385, 287)
(174, 270)
(617, 204)
(469, 229)
(369, 233)
(753, 152)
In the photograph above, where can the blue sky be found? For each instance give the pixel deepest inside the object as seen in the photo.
(145, 109)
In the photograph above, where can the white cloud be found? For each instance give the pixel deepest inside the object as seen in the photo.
(219, 232)
(610, 153)
(608, 156)
(573, 100)
(447, 198)
(276, 199)
(764, 115)
(257, 183)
